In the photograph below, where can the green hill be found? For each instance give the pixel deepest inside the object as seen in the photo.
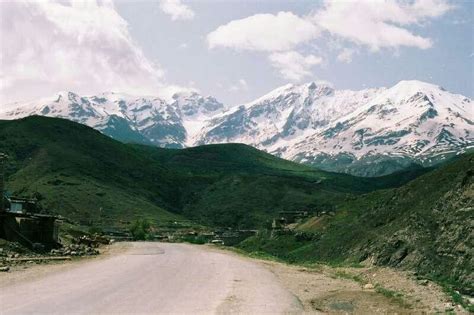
(77, 172)
(81, 174)
(425, 225)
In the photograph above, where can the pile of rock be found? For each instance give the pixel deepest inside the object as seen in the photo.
(13, 250)
(11, 253)
(75, 250)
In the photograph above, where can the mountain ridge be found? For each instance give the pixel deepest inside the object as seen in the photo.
(388, 129)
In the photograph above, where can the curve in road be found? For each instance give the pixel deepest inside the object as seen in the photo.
(154, 278)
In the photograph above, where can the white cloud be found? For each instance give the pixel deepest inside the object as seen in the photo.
(375, 24)
(345, 55)
(380, 23)
(264, 32)
(176, 9)
(293, 65)
(240, 85)
(80, 46)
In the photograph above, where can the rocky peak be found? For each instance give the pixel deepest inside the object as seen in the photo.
(192, 103)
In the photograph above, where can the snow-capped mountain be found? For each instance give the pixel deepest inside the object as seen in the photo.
(367, 132)
(146, 119)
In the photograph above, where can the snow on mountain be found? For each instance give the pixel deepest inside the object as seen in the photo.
(195, 110)
(367, 132)
(146, 119)
(410, 122)
(341, 130)
(284, 115)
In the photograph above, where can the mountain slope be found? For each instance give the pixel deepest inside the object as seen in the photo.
(425, 225)
(414, 122)
(370, 132)
(82, 174)
(77, 172)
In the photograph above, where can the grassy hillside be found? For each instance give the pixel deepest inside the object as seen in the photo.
(79, 173)
(425, 225)
(82, 174)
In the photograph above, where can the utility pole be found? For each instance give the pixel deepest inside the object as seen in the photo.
(3, 158)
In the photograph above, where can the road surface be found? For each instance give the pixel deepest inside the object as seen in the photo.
(153, 278)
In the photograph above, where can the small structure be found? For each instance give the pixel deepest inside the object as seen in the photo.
(289, 217)
(21, 221)
(278, 223)
(20, 205)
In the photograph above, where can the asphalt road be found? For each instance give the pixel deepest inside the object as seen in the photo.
(153, 278)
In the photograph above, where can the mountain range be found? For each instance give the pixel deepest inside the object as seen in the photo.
(369, 132)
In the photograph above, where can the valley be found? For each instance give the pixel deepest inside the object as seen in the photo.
(407, 221)
(75, 171)
(236, 157)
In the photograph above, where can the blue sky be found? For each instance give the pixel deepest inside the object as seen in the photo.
(234, 50)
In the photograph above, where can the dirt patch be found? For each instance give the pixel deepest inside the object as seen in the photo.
(424, 295)
(324, 289)
(356, 302)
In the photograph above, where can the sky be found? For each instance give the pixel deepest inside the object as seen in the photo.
(233, 50)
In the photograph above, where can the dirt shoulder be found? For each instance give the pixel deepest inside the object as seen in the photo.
(372, 290)
(34, 269)
(369, 290)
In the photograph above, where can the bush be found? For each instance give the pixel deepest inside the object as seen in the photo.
(194, 239)
(140, 230)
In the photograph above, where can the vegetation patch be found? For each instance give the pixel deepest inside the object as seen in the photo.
(392, 294)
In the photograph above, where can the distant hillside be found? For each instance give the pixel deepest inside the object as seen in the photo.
(82, 174)
(426, 225)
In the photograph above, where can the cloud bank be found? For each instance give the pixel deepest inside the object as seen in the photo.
(371, 24)
(263, 32)
(379, 23)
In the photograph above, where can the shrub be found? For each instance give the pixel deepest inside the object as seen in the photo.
(140, 230)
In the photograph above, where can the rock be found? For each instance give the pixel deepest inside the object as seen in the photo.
(423, 282)
(368, 286)
(448, 307)
(4, 269)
